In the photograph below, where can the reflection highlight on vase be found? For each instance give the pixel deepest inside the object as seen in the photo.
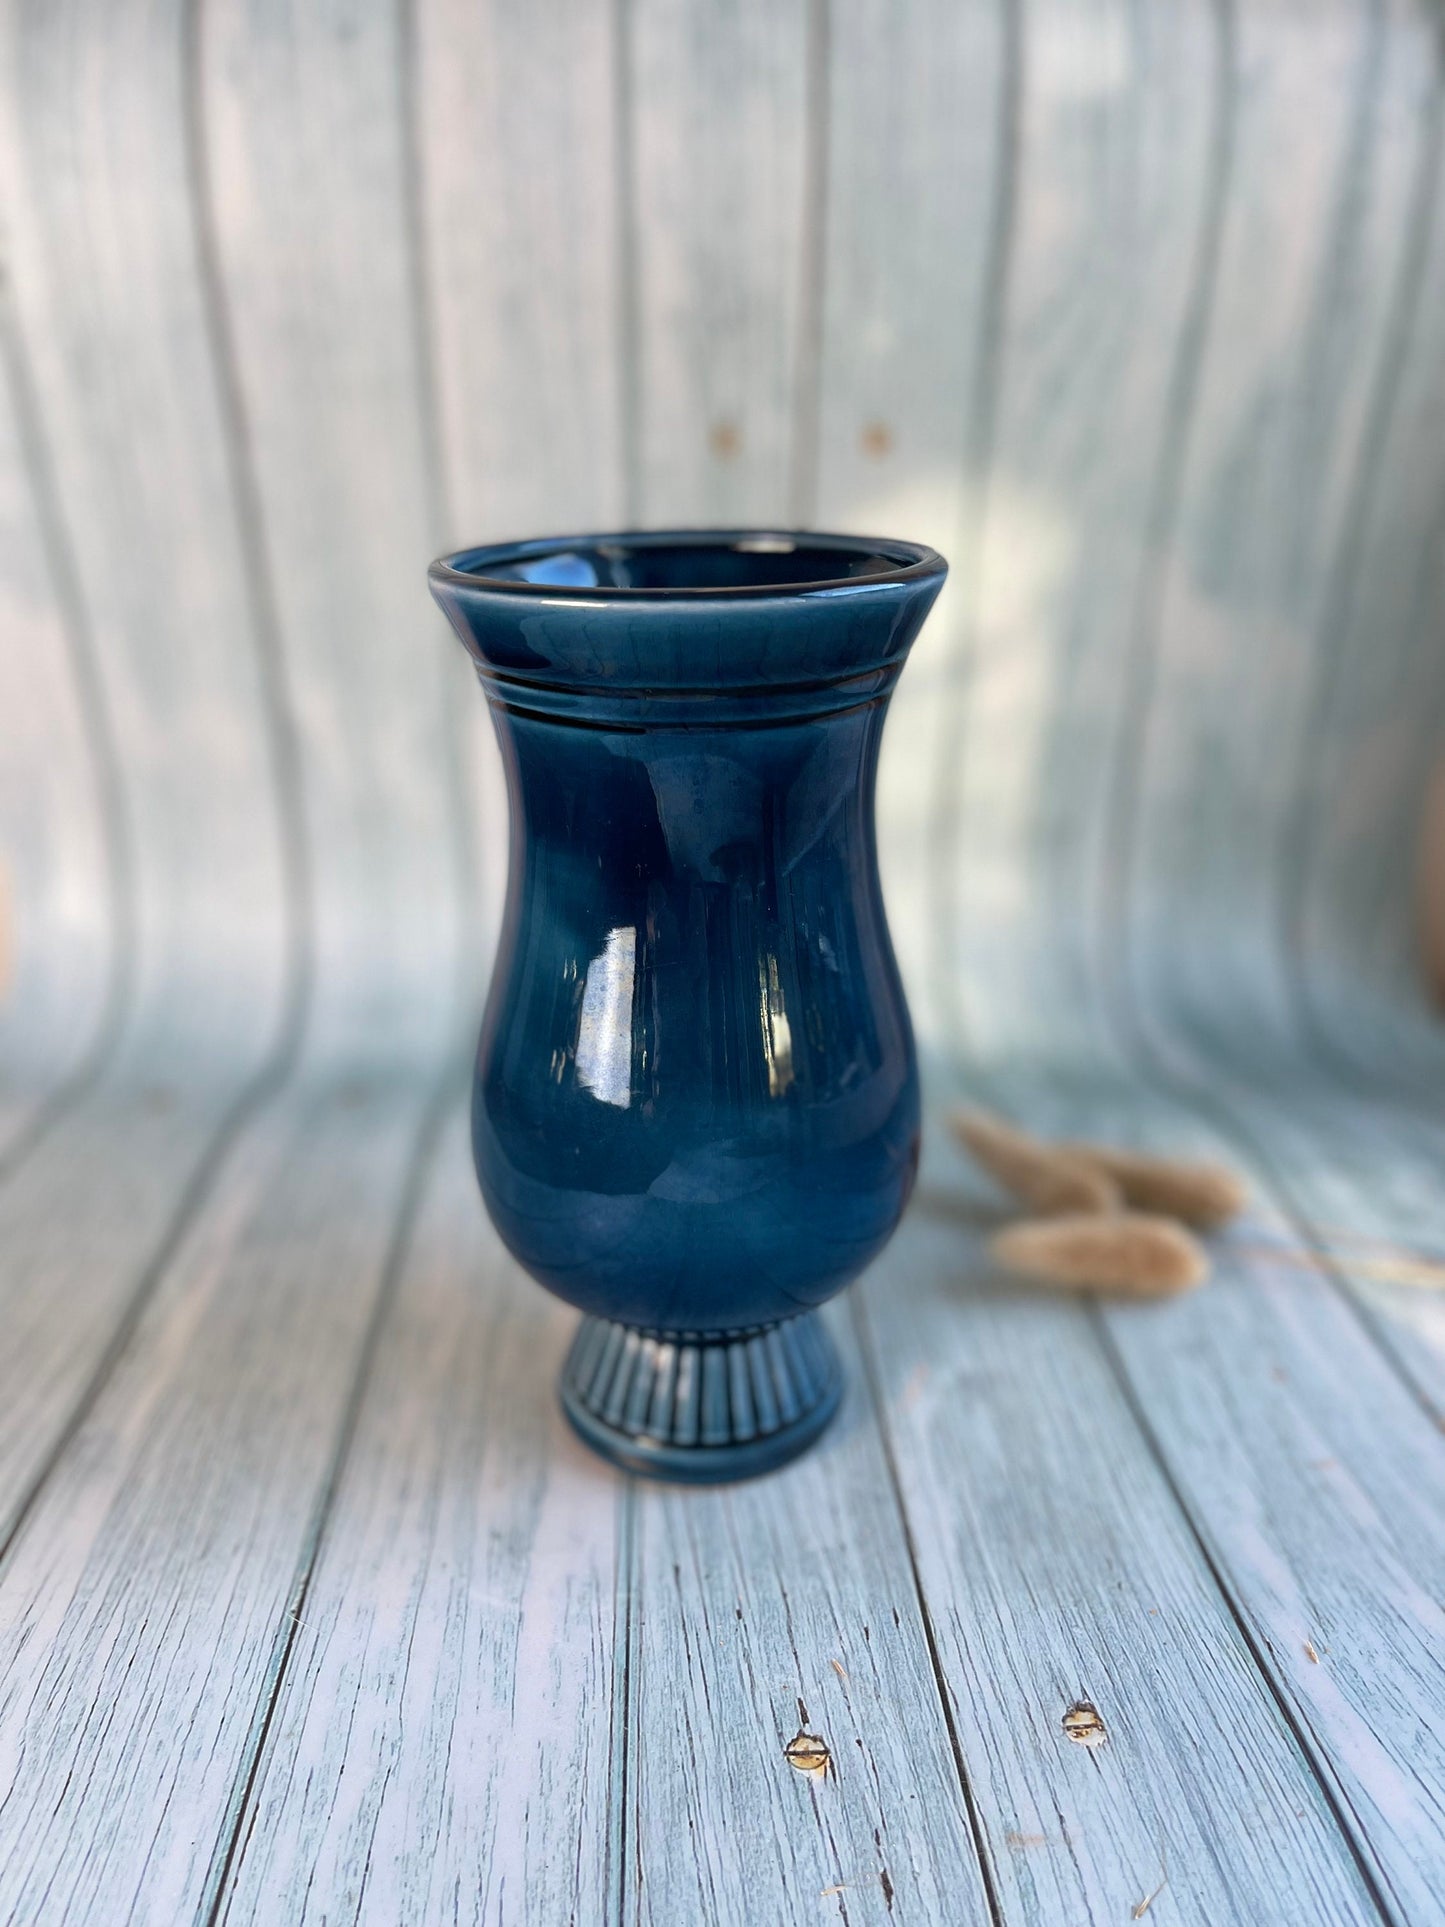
(777, 1033)
(604, 1030)
(603, 1049)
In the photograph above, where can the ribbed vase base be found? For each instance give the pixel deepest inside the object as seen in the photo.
(700, 1409)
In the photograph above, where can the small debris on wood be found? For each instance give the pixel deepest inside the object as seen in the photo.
(1045, 1179)
(1016, 1840)
(1310, 1654)
(1147, 1902)
(1084, 1724)
(807, 1753)
(1196, 1192)
(838, 1668)
(1386, 1265)
(1129, 1253)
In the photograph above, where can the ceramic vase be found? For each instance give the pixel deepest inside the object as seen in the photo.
(695, 1108)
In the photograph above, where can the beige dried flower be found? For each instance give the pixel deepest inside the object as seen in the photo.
(1198, 1192)
(1128, 1253)
(1046, 1179)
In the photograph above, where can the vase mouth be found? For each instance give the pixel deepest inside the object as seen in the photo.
(689, 565)
(681, 625)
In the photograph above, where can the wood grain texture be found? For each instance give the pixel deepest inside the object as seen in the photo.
(87, 1223)
(755, 1614)
(304, 141)
(147, 1605)
(1361, 1177)
(717, 201)
(112, 304)
(1305, 331)
(515, 119)
(1308, 1472)
(134, 484)
(1057, 1568)
(1123, 157)
(64, 886)
(1196, 980)
(1351, 882)
(921, 126)
(442, 1742)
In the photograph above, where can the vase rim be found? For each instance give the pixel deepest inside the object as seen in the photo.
(560, 565)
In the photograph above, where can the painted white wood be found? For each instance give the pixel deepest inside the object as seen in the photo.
(106, 260)
(515, 131)
(64, 896)
(1311, 1475)
(305, 146)
(1352, 886)
(1302, 332)
(85, 1223)
(921, 126)
(114, 367)
(1119, 174)
(1331, 1548)
(1057, 1568)
(1363, 1179)
(147, 1603)
(442, 1743)
(758, 1612)
(716, 195)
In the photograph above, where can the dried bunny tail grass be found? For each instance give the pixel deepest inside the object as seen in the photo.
(1046, 1179)
(1200, 1193)
(1129, 1253)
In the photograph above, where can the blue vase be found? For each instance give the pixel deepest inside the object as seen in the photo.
(695, 1113)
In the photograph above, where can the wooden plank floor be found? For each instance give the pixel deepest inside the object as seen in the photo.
(311, 1609)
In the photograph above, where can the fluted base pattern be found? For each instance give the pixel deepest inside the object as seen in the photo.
(701, 1409)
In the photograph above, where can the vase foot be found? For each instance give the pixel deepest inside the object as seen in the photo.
(699, 1409)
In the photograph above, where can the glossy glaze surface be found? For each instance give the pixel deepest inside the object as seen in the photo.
(696, 1100)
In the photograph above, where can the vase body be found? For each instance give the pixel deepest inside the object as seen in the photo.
(695, 1109)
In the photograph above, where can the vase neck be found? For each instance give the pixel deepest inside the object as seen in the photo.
(704, 708)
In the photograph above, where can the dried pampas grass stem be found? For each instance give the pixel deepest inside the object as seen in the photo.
(1197, 1192)
(1129, 1253)
(1046, 1179)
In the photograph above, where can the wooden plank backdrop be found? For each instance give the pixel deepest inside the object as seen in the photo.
(310, 1608)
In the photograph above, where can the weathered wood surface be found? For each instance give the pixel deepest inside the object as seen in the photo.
(310, 1609)
(466, 1586)
(1310, 1477)
(759, 1614)
(1052, 1549)
(147, 1602)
